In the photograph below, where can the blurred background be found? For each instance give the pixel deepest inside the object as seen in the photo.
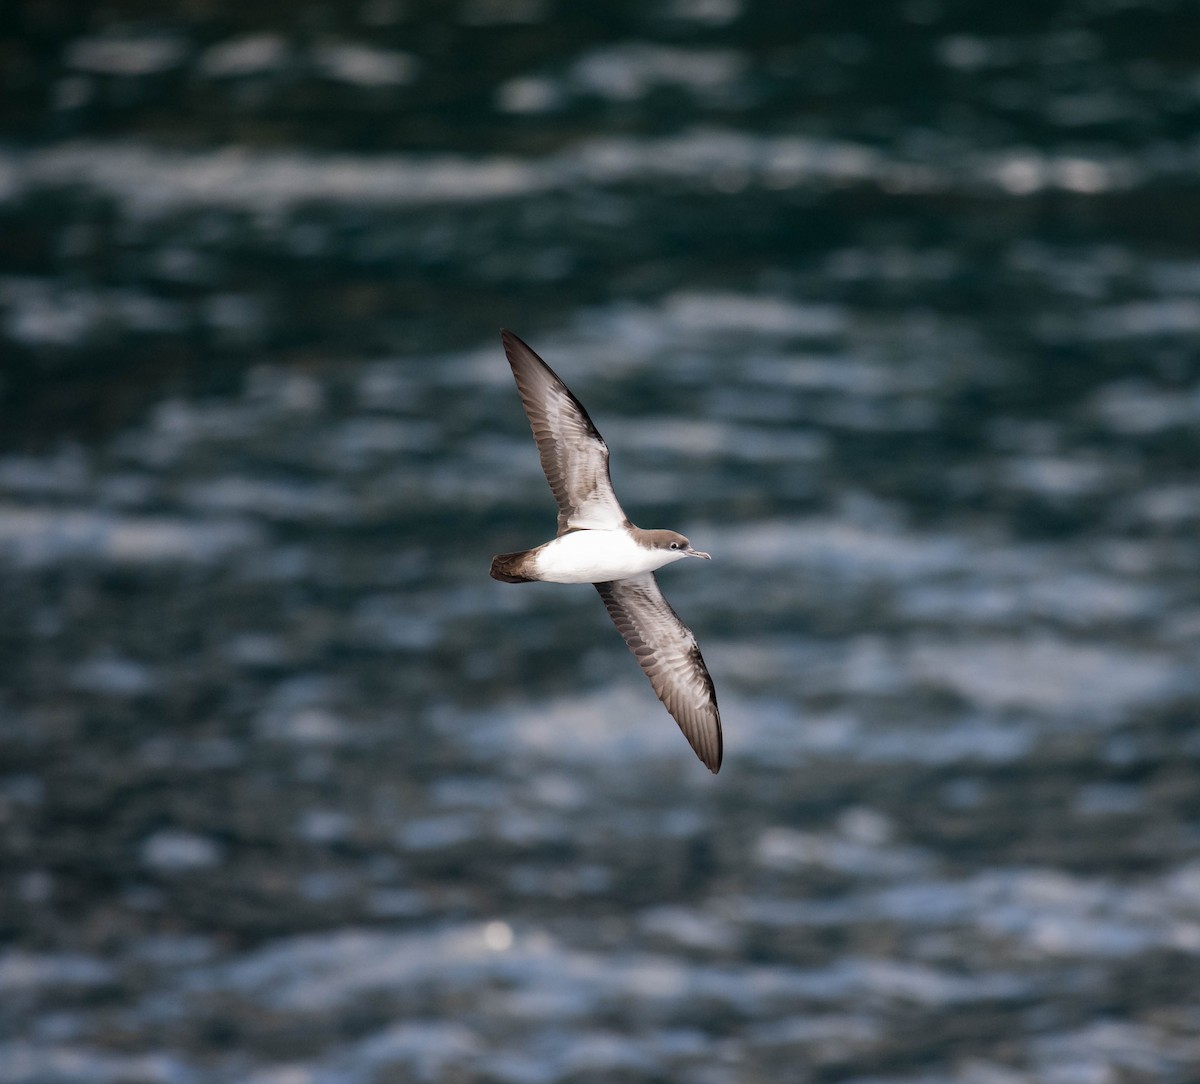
(893, 307)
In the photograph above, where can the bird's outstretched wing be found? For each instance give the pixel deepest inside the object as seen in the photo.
(668, 653)
(574, 455)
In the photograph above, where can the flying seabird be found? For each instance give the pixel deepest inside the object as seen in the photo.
(597, 544)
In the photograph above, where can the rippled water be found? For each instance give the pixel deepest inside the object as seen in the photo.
(892, 309)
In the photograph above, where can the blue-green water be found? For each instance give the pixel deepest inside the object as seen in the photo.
(892, 308)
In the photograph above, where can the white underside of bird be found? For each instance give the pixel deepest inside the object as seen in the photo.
(596, 556)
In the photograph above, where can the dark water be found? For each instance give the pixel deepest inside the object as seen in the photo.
(892, 308)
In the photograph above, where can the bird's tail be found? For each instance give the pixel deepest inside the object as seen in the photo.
(511, 567)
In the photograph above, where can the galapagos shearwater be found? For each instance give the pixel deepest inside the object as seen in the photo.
(597, 544)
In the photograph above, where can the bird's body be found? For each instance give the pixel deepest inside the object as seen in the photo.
(597, 544)
(594, 556)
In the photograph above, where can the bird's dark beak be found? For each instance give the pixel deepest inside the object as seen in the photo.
(697, 553)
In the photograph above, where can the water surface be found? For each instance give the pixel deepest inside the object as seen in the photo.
(892, 309)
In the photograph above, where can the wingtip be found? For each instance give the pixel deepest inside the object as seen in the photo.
(714, 765)
(711, 758)
(513, 344)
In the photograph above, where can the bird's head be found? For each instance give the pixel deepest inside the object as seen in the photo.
(675, 544)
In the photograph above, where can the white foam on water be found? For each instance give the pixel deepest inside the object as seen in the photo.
(174, 851)
(37, 537)
(253, 54)
(840, 546)
(126, 55)
(22, 971)
(1041, 913)
(44, 312)
(1144, 319)
(150, 181)
(1135, 407)
(23, 1061)
(113, 676)
(781, 848)
(627, 72)
(700, 311)
(365, 65)
(622, 724)
(1047, 674)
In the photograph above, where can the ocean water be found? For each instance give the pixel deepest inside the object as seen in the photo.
(893, 308)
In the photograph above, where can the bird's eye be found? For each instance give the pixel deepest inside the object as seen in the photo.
(674, 545)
